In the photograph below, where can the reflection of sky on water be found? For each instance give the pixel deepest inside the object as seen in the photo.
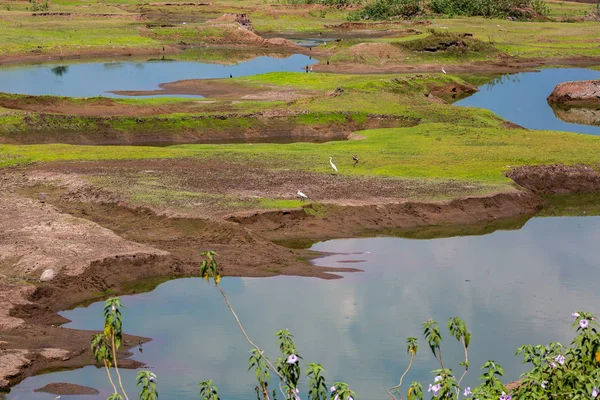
(94, 79)
(511, 288)
(521, 98)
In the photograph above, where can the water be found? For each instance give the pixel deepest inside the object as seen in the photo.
(95, 79)
(521, 98)
(511, 288)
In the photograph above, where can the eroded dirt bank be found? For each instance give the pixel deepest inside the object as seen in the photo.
(98, 243)
(276, 127)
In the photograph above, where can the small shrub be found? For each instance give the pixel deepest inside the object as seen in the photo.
(450, 42)
(516, 9)
(385, 9)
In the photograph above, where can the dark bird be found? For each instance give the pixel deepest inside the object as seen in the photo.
(230, 75)
(355, 158)
(327, 62)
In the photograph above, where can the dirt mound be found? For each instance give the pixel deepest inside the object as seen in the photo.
(578, 93)
(66, 389)
(372, 53)
(456, 43)
(557, 178)
(241, 19)
(452, 91)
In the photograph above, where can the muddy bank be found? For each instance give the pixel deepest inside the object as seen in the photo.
(267, 127)
(334, 221)
(62, 388)
(219, 88)
(558, 178)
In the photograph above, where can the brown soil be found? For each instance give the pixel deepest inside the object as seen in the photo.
(267, 127)
(580, 93)
(558, 178)
(453, 91)
(66, 389)
(218, 88)
(98, 241)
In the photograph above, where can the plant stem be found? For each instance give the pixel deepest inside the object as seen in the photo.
(261, 352)
(462, 340)
(412, 356)
(116, 367)
(441, 361)
(109, 377)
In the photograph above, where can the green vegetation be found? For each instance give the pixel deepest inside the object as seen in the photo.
(516, 9)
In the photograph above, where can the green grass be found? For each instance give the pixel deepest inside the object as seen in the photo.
(431, 150)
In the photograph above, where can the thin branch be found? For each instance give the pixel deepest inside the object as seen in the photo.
(412, 356)
(462, 340)
(440, 358)
(116, 367)
(261, 352)
(110, 377)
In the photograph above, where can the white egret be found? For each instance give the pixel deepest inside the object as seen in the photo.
(443, 70)
(332, 164)
(302, 196)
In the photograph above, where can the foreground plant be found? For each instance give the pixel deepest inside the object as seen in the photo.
(104, 348)
(287, 366)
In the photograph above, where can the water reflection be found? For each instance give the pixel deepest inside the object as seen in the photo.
(95, 79)
(511, 288)
(521, 98)
(60, 70)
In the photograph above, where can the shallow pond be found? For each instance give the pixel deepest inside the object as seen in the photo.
(511, 288)
(95, 79)
(521, 98)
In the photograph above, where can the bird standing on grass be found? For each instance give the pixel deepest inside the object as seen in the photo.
(332, 164)
(355, 158)
(302, 196)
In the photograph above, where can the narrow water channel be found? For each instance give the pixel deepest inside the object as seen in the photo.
(511, 288)
(521, 98)
(97, 79)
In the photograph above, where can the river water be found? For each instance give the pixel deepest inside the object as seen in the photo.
(511, 287)
(521, 98)
(97, 79)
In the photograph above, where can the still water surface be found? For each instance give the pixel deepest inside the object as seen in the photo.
(95, 79)
(511, 288)
(521, 98)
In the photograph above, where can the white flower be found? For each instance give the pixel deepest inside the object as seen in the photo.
(332, 389)
(544, 384)
(292, 359)
(437, 379)
(575, 315)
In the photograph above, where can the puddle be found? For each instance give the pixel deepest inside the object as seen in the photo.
(521, 98)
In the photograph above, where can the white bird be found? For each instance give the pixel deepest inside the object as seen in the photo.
(302, 196)
(443, 70)
(332, 164)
